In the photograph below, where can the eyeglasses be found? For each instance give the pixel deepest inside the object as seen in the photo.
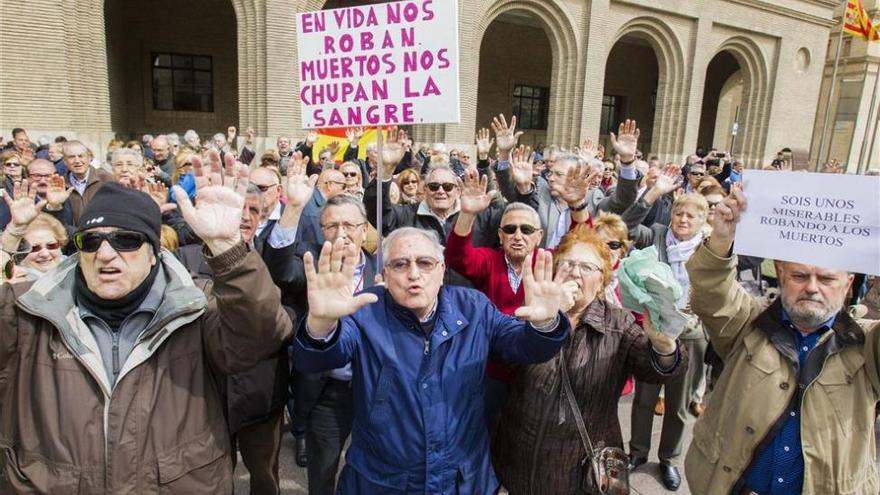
(336, 182)
(39, 176)
(465, 157)
(332, 228)
(12, 164)
(713, 204)
(349, 175)
(435, 186)
(609, 170)
(425, 264)
(36, 248)
(120, 240)
(583, 267)
(511, 229)
(408, 182)
(264, 188)
(697, 174)
(614, 245)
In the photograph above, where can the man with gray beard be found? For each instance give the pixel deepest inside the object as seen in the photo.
(793, 411)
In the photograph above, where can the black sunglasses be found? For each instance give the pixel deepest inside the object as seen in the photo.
(349, 175)
(49, 245)
(265, 188)
(511, 229)
(614, 245)
(698, 174)
(120, 240)
(435, 186)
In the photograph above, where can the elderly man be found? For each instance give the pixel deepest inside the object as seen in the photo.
(125, 163)
(85, 180)
(324, 400)
(418, 355)
(330, 183)
(794, 409)
(554, 209)
(121, 336)
(162, 155)
(269, 184)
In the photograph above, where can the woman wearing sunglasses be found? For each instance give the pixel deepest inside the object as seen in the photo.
(538, 448)
(354, 182)
(41, 245)
(411, 187)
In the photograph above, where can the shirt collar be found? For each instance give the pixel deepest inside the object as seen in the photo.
(826, 325)
(77, 182)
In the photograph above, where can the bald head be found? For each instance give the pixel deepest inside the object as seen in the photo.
(331, 183)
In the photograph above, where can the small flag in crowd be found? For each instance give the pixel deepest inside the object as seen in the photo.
(857, 22)
(327, 136)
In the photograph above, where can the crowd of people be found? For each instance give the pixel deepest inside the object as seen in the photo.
(174, 303)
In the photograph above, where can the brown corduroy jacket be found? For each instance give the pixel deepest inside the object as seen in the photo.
(537, 449)
(64, 429)
(78, 201)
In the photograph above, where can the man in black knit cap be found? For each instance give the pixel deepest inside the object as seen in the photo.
(114, 360)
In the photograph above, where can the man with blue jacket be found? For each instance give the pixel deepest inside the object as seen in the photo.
(418, 354)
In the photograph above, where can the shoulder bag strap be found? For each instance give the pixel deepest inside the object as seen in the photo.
(578, 417)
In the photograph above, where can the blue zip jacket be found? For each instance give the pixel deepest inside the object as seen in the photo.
(419, 424)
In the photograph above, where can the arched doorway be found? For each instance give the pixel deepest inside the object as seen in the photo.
(171, 72)
(631, 79)
(515, 77)
(722, 105)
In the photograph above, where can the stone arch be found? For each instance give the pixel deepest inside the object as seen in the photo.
(564, 119)
(672, 86)
(756, 102)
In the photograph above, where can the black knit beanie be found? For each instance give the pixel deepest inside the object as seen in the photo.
(115, 205)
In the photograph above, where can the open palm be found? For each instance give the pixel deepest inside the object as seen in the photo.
(521, 165)
(330, 291)
(543, 296)
(474, 197)
(23, 208)
(626, 142)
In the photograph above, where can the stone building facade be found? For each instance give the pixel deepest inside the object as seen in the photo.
(690, 71)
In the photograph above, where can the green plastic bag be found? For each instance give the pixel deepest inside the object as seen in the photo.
(648, 286)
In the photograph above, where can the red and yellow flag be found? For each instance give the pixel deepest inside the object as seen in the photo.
(327, 136)
(857, 22)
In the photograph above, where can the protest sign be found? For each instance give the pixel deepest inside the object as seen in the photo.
(385, 64)
(828, 220)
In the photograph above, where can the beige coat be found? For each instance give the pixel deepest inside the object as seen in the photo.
(759, 382)
(161, 429)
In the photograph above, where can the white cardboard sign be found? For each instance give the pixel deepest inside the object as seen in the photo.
(385, 64)
(828, 220)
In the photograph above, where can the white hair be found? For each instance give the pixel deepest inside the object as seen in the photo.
(190, 136)
(147, 138)
(517, 206)
(220, 135)
(402, 232)
(371, 147)
(122, 152)
(173, 139)
(439, 148)
(44, 140)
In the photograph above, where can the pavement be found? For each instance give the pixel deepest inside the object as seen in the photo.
(645, 480)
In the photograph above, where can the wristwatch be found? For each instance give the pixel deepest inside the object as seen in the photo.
(580, 207)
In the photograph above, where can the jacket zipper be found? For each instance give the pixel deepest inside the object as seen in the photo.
(115, 337)
(427, 347)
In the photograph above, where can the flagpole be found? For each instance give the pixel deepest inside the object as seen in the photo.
(831, 87)
(873, 139)
(379, 199)
(868, 121)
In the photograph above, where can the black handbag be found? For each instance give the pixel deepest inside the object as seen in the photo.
(604, 470)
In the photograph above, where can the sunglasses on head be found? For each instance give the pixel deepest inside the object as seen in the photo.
(614, 245)
(435, 186)
(511, 229)
(120, 240)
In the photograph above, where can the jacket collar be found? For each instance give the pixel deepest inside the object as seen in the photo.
(845, 329)
(449, 320)
(424, 210)
(594, 315)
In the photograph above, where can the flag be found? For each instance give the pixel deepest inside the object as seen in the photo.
(857, 23)
(327, 136)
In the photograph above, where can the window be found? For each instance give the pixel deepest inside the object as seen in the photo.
(610, 114)
(182, 82)
(530, 106)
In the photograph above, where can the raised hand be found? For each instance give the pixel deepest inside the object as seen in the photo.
(474, 197)
(330, 291)
(484, 144)
(577, 184)
(311, 138)
(521, 166)
(300, 187)
(506, 136)
(543, 297)
(354, 134)
(249, 136)
(393, 151)
(333, 148)
(23, 207)
(587, 151)
(231, 132)
(57, 194)
(727, 215)
(626, 141)
(669, 179)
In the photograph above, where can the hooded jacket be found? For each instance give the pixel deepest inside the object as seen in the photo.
(161, 429)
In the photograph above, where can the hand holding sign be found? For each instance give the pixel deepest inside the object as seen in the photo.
(727, 215)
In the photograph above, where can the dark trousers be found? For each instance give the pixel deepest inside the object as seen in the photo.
(260, 446)
(327, 428)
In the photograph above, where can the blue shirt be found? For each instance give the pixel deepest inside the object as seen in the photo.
(779, 468)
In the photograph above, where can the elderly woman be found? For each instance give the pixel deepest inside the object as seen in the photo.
(411, 186)
(537, 449)
(13, 168)
(354, 182)
(39, 248)
(675, 244)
